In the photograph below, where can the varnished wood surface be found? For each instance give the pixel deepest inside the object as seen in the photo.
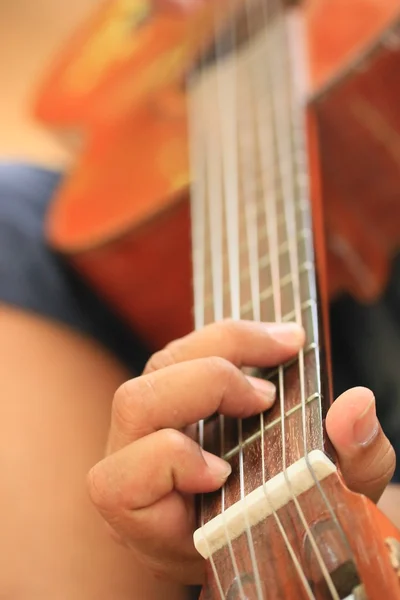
(366, 558)
(359, 179)
(358, 127)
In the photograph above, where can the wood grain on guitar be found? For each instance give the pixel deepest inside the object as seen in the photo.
(368, 558)
(353, 82)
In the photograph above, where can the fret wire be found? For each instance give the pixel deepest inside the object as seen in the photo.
(310, 303)
(271, 374)
(198, 196)
(264, 262)
(255, 436)
(300, 208)
(226, 85)
(266, 293)
(289, 316)
(292, 361)
(253, 273)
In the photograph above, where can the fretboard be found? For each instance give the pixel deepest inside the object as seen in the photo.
(253, 243)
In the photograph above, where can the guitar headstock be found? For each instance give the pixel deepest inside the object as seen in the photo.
(359, 547)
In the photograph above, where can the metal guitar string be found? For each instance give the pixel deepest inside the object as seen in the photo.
(269, 195)
(298, 95)
(197, 204)
(282, 125)
(226, 85)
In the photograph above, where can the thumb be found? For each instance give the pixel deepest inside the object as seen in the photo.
(366, 458)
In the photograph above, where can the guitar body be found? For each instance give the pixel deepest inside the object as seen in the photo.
(135, 248)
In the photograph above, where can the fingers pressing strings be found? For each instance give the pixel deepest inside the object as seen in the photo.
(186, 392)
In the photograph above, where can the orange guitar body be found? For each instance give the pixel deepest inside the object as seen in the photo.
(122, 215)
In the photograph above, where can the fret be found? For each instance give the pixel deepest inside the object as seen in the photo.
(265, 277)
(264, 262)
(272, 373)
(307, 348)
(292, 399)
(272, 435)
(300, 207)
(284, 281)
(311, 303)
(255, 436)
(308, 305)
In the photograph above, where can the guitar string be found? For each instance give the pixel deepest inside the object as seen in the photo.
(282, 124)
(197, 204)
(215, 212)
(299, 91)
(215, 215)
(233, 234)
(226, 83)
(251, 214)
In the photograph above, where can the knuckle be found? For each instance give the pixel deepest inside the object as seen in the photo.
(219, 364)
(385, 462)
(160, 360)
(228, 324)
(175, 440)
(226, 329)
(123, 406)
(179, 445)
(378, 467)
(228, 333)
(132, 406)
(98, 489)
(224, 369)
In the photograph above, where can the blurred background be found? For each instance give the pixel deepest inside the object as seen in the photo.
(31, 35)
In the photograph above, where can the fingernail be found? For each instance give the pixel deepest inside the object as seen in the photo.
(218, 467)
(289, 334)
(366, 426)
(265, 388)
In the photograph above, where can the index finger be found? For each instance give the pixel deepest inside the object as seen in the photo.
(181, 395)
(243, 343)
(171, 394)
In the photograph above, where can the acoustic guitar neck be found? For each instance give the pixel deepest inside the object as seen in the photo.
(273, 530)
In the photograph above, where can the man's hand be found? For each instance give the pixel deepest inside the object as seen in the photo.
(144, 487)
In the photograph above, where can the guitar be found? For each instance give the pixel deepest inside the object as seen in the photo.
(263, 154)
(135, 150)
(284, 525)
